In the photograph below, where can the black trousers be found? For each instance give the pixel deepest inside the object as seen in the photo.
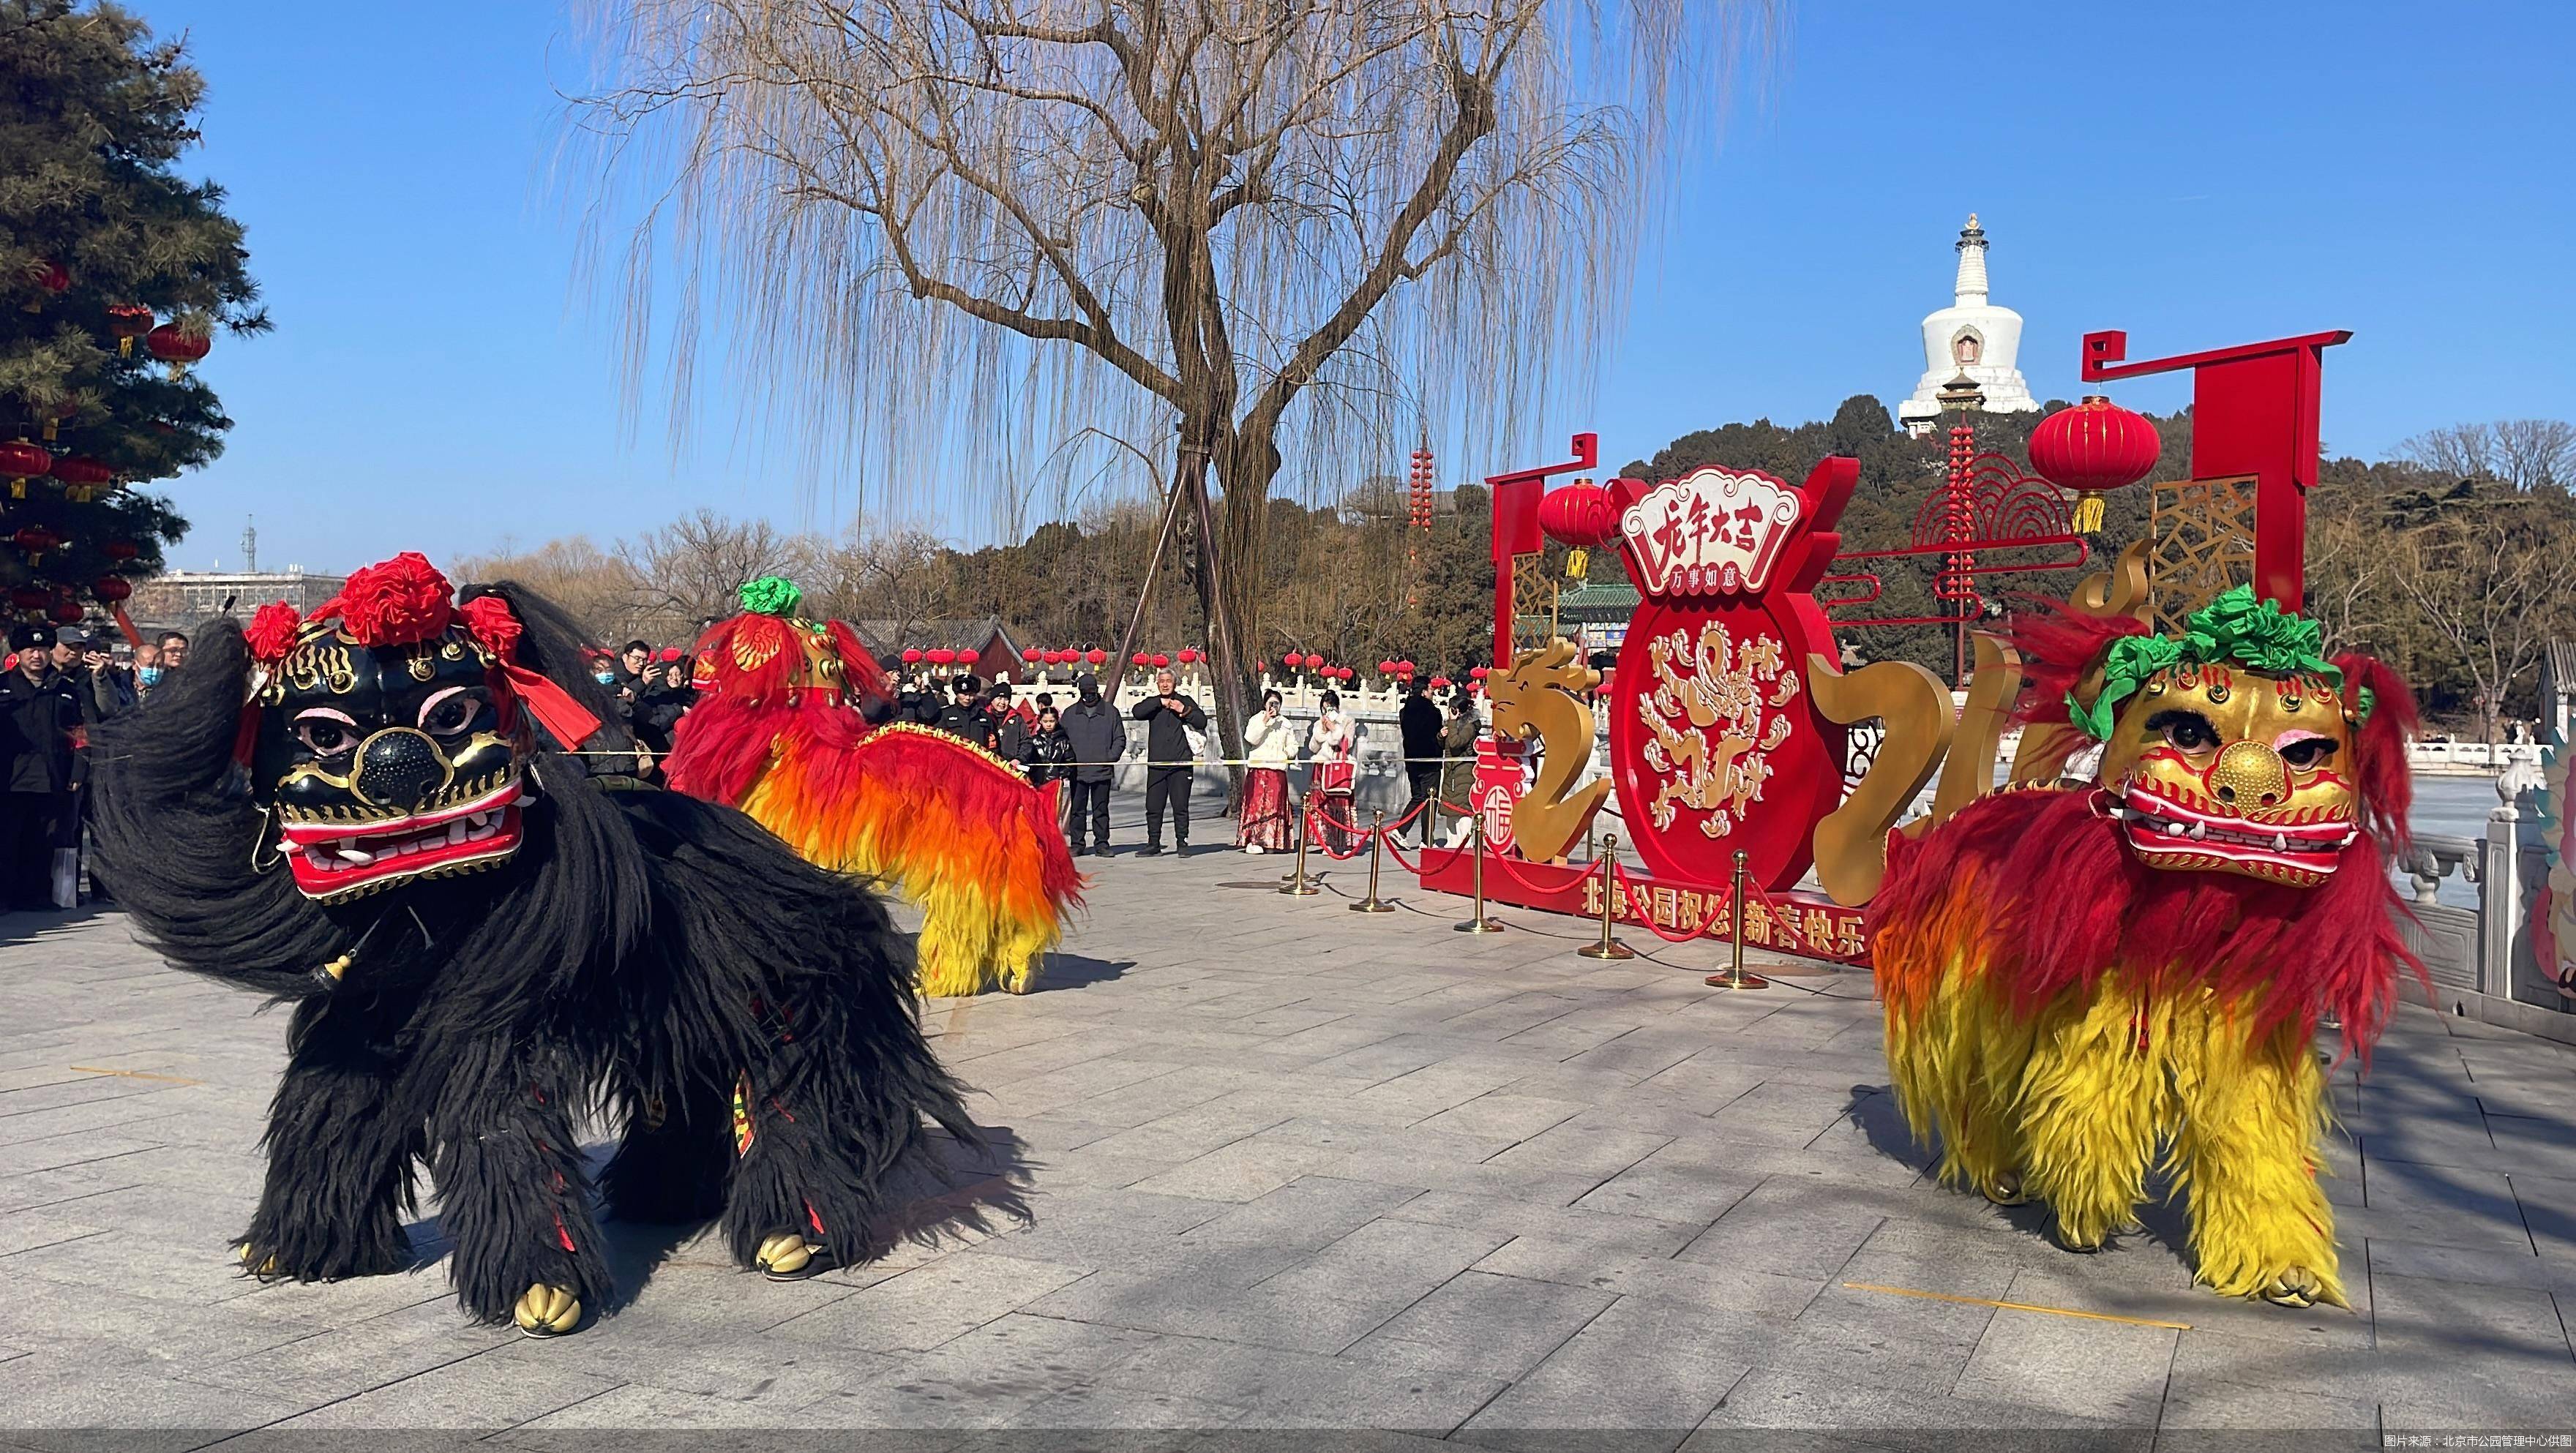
(1167, 785)
(1424, 779)
(1091, 798)
(27, 849)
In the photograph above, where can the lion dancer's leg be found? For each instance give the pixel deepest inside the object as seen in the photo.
(2253, 1114)
(1957, 1064)
(339, 1158)
(671, 1165)
(513, 1192)
(2092, 1105)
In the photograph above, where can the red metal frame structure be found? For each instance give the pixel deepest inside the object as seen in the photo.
(2254, 411)
(1516, 530)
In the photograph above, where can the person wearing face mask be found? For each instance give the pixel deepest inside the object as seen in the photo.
(1270, 745)
(1099, 739)
(147, 669)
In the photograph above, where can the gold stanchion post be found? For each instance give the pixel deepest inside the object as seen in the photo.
(1377, 848)
(1735, 977)
(1608, 947)
(1297, 885)
(1476, 844)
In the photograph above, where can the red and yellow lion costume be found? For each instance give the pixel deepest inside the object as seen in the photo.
(2080, 980)
(777, 731)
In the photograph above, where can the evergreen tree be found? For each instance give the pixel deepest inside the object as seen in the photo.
(100, 240)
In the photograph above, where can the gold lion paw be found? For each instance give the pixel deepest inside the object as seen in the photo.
(547, 1311)
(2295, 1287)
(266, 1270)
(2005, 1189)
(788, 1256)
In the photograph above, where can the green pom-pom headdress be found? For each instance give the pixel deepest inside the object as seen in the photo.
(771, 595)
(2237, 628)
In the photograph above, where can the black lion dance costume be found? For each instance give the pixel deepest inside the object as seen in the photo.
(373, 814)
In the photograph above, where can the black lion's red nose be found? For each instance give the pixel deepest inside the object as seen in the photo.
(399, 768)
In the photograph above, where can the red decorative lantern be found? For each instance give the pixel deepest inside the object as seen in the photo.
(1032, 654)
(1404, 669)
(66, 612)
(1097, 656)
(1348, 672)
(943, 656)
(1261, 666)
(36, 540)
(1579, 514)
(120, 551)
(175, 348)
(1479, 672)
(1188, 657)
(1161, 660)
(1140, 659)
(28, 597)
(81, 474)
(1439, 683)
(51, 278)
(1293, 660)
(111, 588)
(1386, 667)
(2092, 448)
(912, 655)
(18, 459)
(128, 321)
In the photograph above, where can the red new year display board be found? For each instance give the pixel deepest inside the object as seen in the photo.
(1715, 741)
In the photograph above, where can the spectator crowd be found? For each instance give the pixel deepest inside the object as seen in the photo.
(59, 683)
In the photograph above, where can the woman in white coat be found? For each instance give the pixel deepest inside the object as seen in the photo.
(1333, 743)
(1269, 749)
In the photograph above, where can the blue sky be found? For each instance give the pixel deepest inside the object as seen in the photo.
(2199, 174)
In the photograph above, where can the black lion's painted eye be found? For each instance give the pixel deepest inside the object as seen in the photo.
(449, 712)
(2308, 752)
(2185, 731)
(326, 732)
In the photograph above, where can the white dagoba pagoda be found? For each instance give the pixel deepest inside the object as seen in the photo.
(1971, 337)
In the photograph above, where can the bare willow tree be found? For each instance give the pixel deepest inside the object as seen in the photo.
(2525, 453)
(1273, 237)
(692, 568)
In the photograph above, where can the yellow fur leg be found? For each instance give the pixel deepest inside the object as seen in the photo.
(2091, 1103)
(2248, 1152)
(1955, 1071)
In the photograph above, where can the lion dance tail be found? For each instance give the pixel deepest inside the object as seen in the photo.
(949, 826)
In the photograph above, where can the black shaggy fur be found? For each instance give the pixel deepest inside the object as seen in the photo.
(642, 952)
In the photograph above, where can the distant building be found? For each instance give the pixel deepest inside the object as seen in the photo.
(1972, 337)
(986, 647)
(182, 600)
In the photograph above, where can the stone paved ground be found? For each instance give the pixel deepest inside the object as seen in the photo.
(1276, 1165)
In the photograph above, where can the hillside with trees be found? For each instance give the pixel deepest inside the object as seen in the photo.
(2457, 575)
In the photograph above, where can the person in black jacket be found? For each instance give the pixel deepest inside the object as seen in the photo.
(1169, 718)
(39, 711)
(1099, 739)
(964, 715)
(1045, 752)
(1419, 721)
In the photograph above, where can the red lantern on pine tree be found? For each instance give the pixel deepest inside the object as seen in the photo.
(50, 278)
(18, 459)
(81, 475)
(66, 612)
(111, 588)
(36, 540)
(28, 597)
(127, 322)
(2093, 448)
(175, 348)
(120, 551)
